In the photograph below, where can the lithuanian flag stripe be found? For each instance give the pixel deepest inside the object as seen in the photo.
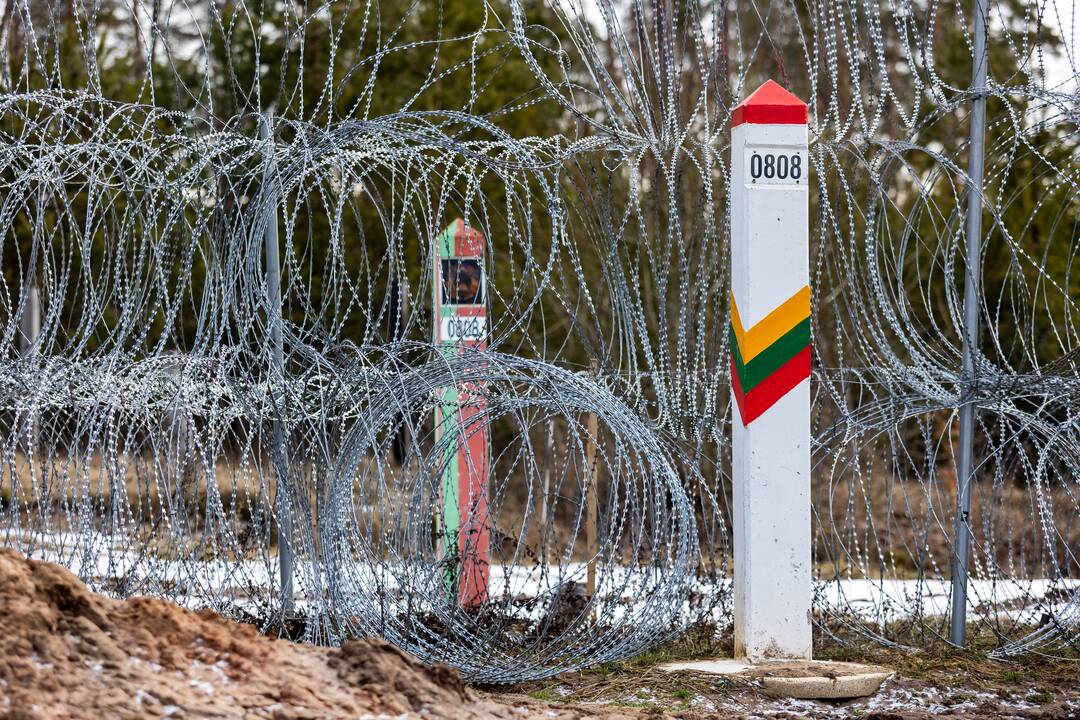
(772, 327)
(771, 358)
(753, 405)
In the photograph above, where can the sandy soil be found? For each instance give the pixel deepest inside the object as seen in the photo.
(68, 653)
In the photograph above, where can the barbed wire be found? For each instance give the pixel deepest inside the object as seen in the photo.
(179, 412)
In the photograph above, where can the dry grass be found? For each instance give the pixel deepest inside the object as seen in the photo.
(954, 674)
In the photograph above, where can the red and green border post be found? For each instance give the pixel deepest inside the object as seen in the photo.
(460, 325)
(770, 375)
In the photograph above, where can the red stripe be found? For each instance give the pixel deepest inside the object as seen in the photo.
(754, 403)
(770, 104)
(769, 115)
(468, 241)
(474, 534)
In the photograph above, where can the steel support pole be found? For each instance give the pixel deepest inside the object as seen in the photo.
(277, 365)
(30, 331)
(30, 323)
(972, 283)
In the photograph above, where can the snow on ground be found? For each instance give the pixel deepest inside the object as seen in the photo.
(194, 582)
(894, 697)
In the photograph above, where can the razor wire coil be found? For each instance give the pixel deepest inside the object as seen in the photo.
(149, 443)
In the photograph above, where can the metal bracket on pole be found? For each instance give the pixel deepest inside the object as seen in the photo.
(973, 232)
(277, 365)
(30, 331)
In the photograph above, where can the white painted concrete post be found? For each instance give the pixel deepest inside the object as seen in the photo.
(770, 375)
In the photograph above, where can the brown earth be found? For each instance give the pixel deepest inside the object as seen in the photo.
(66, 652)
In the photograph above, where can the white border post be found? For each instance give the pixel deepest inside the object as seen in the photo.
(770, 375)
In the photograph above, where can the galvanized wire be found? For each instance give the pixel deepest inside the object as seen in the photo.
(152, 442)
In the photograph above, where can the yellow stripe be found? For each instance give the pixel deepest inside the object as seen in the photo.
(772, 327)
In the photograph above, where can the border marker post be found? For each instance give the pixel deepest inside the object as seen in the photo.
(460, 305)
(770, 375)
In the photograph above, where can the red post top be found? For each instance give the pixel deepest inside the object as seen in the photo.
(770, 104)
(468, 241)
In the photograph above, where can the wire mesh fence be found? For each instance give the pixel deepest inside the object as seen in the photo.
(220, 227)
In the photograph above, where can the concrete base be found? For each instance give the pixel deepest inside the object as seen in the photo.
(802, 679)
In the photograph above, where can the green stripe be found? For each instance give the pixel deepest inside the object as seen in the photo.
(448, 430)
(445, 242)
(771, 358)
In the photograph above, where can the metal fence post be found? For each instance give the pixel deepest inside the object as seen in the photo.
(592, 506)
(277, 365)
(30, 331)
(973, 222)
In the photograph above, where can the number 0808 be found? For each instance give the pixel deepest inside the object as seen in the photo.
(779, 167)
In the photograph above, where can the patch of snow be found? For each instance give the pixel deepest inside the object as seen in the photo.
(205, 687)
(703, 704)
(218, 669)
(799, 707)
(155, 667)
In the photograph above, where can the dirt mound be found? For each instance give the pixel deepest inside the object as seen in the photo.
(68, 653)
